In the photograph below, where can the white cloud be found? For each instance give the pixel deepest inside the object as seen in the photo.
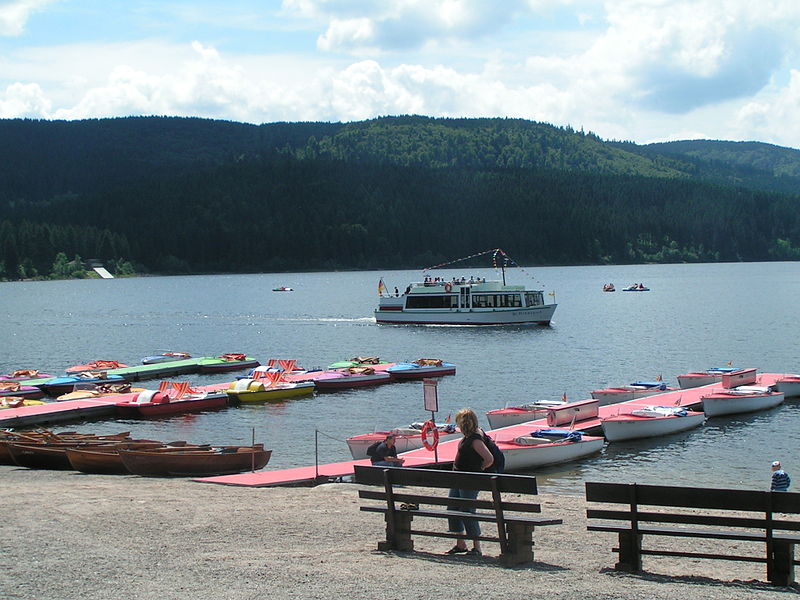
(23, 101)
(14, 15)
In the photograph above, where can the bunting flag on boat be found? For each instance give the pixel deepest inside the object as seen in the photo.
(659, 377)
(381, 288)
(564, 397)
(447, 420)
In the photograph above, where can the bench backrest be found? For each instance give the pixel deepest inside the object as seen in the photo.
(434, 478)
(636, 496)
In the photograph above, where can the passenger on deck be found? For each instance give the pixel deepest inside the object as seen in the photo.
(386, 454)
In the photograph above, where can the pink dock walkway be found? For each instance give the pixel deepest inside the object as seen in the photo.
(689, 398)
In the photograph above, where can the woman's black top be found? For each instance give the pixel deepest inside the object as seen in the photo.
(467, 459)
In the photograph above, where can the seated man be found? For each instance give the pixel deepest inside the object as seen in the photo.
(386, 454)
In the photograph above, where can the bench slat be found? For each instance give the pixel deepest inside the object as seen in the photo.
(753, 536)
(692, 519)
(515, 484)
(371, 494)
(485, 517)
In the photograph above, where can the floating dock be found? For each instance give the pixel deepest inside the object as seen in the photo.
(689, 398)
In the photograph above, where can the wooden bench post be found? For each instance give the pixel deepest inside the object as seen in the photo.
(780, 553)
(398, 522)
(630, 542)
(520, 545)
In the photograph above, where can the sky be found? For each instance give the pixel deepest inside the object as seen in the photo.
(636, 70)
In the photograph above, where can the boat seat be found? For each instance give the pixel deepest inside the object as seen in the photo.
(146, 396)
(242, 385)
(529, 440)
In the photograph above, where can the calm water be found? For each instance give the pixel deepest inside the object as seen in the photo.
(695, 317)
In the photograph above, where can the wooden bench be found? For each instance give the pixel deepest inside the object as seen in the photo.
(713, 514)
(514, 531)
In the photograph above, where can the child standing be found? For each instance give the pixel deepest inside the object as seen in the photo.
(780, 478)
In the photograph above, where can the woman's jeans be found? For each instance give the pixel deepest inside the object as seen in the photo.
(471, 526)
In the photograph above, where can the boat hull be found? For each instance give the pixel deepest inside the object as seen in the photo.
(622, 394)
(275, 394)
(789, 385)
(351, 381)
(161, 409)
(506, 417)
(194, 463)
(411, 373)
(39, 457)
(717, 405)
(358, 444)
(223, 366)
(521, 457)
(535, 315)
(629, 427)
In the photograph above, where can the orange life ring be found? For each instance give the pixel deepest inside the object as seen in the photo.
(448, 287)
(429, 426)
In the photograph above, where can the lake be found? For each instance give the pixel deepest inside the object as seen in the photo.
(696, 316)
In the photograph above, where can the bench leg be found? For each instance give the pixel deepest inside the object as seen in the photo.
(398, 532)
(783, 560)
(630, 552)
(520, 545)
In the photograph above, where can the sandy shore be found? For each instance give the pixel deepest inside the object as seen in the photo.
(68, 535)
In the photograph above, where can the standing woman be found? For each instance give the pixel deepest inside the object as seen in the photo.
(472, 455)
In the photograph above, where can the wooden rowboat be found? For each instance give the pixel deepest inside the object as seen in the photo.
(106, 459)
(218, 460)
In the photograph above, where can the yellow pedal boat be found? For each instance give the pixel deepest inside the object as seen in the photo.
(253, 390)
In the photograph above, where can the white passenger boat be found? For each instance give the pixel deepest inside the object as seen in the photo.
(514, 415)
(546, 447)
(742, 399)
(650, 421)
(405, 438)
(462, 301)
(789, 385)
(623, 393)
(707, 377)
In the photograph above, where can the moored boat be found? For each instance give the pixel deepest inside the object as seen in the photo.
(165, 357)
(405, 438)
(283, 288)
(217, 460)
(16, 389)
(789, 385)
(650, 421)
(637, 389)
(228, 362)
(462, 301)
(25, 374)
(106, 459)
(742, 399)
(63, 385)
(514, 415)
(421, 368)
(17, 402)
(96, 365)
(636, 287)
(171, 401)
(82, 391)
(609, 287)
(707, 377)
(350, 378)
(260, 390)
(546, 447)
(49, 451)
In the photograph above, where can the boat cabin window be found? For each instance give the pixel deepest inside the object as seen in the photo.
(534, 298)
(432, 301)
(496, 301)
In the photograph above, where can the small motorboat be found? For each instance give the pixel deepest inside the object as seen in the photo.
(742, 399)
(609, 287)
(195, 462)
(17, 402)
(707, 377)
(96, 366)
(327, 381)
(171, 399)
(83, 391)
(63, 385)
(638, 389)
(165, 357)
(789, 385)
(269, 389)
(420, 369)
(522, 413)
(283, 288)
(227, 362)
(650, 421)
(636, 287)
(362, 361)
(405, 438)
(546, 447)
(25, 374)
(16, 389)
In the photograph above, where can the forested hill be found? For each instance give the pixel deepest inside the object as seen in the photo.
(195, 195)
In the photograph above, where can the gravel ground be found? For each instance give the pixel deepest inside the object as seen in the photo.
(69, 535)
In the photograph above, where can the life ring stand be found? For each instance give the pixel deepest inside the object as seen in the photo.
(448, 287)
(427, 427)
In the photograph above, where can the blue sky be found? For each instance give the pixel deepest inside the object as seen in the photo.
(641, 70)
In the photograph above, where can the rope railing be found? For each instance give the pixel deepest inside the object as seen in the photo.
(495, 253)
